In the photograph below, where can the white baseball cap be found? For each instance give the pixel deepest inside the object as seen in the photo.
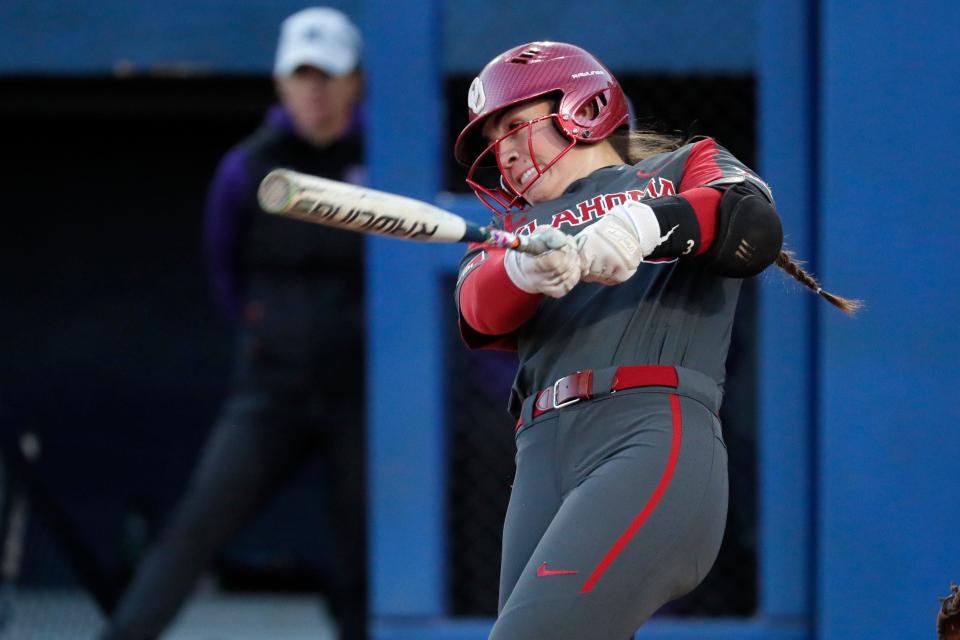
(320, 37)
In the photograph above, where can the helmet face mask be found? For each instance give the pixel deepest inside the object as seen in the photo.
(589, 106)
(505, 196)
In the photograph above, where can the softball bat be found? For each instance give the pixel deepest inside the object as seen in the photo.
(364, 210)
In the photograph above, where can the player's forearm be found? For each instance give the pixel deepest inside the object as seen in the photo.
(687, 221)
(736, 233)
(490, 302)
(720, 203)
(735, 228)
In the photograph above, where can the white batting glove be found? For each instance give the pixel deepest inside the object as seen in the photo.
(613, 247)
(553, 273)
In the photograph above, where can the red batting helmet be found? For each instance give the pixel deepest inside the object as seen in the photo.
(539, 69)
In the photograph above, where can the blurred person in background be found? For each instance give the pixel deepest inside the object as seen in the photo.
(295, 292)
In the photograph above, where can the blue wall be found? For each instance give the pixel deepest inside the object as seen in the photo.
(405, 355)
(671, 35)
(100, 36)
(858, 127)
(787, 365)
(886, 185)
(230, 36)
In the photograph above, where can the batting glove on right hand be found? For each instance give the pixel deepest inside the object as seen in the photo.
(613, 247)
(553, 273)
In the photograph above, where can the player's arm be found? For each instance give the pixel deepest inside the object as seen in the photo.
(722, 212)
(498, 290)
(720, 203)
(488, 320)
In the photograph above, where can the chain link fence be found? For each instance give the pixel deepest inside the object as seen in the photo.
(41, 595)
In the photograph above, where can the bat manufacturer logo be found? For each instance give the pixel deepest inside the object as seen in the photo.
(360, 219)
(475, 97)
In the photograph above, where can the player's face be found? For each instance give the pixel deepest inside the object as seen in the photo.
(528, 142)
(321, 105)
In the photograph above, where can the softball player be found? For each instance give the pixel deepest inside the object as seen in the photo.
(622, 330)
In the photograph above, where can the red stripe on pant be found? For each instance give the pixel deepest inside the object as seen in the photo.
(651, 504)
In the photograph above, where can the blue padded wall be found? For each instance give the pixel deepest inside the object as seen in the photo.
(886, 184)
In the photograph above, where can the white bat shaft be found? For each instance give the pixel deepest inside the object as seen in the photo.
(347, 206)
(356, 208)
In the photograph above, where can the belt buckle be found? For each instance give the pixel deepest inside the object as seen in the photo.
(566, 403)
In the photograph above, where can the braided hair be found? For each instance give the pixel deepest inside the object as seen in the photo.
(635, 146)
(788, 263)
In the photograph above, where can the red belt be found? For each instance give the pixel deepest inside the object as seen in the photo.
(579, 386)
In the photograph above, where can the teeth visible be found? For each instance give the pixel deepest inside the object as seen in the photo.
(529, 173)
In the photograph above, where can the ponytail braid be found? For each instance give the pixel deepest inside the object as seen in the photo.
(786, 261)
(635, 146)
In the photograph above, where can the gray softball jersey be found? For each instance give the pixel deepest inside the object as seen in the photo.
(671, 312)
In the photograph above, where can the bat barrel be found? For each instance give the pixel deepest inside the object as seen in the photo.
(275, 191)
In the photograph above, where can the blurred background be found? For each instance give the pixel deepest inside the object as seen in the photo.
(114, 359)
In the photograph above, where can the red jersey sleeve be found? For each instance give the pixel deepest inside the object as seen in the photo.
(491, 307)
(710, 165)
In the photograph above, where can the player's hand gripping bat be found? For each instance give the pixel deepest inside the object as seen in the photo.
(355, 208)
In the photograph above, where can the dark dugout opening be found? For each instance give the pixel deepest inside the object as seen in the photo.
(114, 353)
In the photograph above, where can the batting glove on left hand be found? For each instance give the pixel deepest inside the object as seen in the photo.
(613, 247)
(553, 273)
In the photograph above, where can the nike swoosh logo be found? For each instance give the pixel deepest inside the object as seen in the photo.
(543, 572)
(669, 233)
(644, 174)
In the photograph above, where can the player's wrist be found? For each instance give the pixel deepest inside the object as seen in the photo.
(641, 220)
(612, 249)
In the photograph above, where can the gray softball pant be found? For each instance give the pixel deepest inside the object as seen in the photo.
(618, 506)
